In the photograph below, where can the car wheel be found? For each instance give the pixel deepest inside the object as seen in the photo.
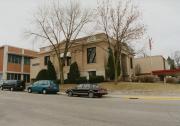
(44, 91)
(2, 88)
(11, 89)
(70, 93)
(91, 94)
(29, 90)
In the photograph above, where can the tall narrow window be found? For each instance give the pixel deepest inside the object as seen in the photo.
(131, 63)
(91, 55)
(27, 60)
(46, 59)
(26, 78)
(68, 61)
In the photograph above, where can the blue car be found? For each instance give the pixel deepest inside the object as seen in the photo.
(44, 87)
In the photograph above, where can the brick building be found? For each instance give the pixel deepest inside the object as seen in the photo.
(149, 64)
(15, 63)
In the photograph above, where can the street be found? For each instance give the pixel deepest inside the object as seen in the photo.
(23, 109)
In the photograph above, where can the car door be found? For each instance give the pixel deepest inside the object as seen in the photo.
(41, 85)
(78, 89)
(34, 87)
(86, 89)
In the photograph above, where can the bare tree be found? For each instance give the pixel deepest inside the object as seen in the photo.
(58, 22)
(121, 23)
(177, 58)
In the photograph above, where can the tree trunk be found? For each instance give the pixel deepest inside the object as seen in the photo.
(116, 70)
(61, 73)
(121, 69)
(116, 75)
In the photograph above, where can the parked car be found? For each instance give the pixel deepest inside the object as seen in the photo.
(1, 82)
(44, 87)
(13, 85)
(90, 90)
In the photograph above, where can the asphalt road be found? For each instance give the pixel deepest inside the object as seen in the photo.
(23, 109)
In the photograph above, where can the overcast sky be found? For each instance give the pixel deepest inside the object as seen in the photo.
(161, 17)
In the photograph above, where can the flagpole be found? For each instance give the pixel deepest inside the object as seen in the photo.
(150, 47)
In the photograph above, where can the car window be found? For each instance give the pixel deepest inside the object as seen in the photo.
(80, 86)
(36, 83)
(45, 82)
(87, 86)
(95, 86)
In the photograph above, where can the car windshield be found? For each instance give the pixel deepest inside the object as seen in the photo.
(87, 86)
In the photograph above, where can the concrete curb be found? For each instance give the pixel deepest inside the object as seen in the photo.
(173, 98)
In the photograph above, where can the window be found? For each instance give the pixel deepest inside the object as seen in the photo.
(63, 61)
(46, 59)
(14, 59)
(26, 78)
(92, 74)
(131, 63)
(68, 61)
(91, 55)
(36, 64)
(27, 60)
(13, 76)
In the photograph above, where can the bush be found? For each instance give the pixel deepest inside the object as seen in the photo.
(81, 80)
(73, 73)
(66, 81)
(178, 81)
(42, 75)
(135, 79)
(148, 79)
(96, 79)
(145, 79)
(171, 80)
(51, 72)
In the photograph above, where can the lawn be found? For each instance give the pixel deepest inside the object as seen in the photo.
(135, 87)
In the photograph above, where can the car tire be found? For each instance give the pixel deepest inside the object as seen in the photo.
(91, 94)
(70, 93)
(29, 90)
(2, 88)
(11, 89)
(44, 91)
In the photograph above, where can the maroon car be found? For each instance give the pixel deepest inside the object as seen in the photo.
(90, 90)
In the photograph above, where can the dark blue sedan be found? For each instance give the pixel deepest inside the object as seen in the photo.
(44, 87)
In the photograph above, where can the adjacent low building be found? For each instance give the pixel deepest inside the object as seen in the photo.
(90, 53)
(146, 65)
(15, 63)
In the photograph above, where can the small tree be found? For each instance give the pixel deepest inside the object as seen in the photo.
(42, 75)
(110, 66)
(74, 73)
(171, 63)
(177, 58)
(51, 72)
